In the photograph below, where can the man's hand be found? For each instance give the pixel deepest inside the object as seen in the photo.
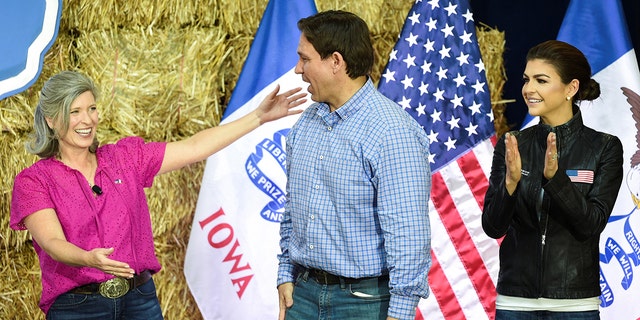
(285, 295)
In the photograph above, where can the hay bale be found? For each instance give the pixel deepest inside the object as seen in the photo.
(21, 287)
(112, 14)
(175, 298)
(492, 43)
(164, 87)
(13, 158)
(172, 208)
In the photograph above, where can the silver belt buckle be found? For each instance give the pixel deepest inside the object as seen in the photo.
(114, 288)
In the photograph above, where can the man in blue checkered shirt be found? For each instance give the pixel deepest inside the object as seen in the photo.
(355, 234)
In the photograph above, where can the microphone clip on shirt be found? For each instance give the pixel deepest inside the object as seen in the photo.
(96, 189)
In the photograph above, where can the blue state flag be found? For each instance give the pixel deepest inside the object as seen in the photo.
(27, 31)
(598, 28)
(231, 260)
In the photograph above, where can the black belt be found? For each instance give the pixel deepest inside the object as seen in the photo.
(116, 287)
(324, 277)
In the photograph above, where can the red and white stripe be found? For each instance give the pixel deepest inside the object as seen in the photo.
(465, 260)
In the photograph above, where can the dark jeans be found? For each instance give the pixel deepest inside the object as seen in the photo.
(367, 299)
(546, 315)
(140, 303)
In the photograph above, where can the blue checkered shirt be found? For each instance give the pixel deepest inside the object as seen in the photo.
(358, 196)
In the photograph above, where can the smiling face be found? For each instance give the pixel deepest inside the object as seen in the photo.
(83, 121)
(545, 94)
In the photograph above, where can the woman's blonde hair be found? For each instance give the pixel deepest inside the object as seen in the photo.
(56, 97)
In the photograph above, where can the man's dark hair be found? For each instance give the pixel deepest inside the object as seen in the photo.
(342, 32)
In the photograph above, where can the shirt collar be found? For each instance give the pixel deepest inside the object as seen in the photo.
(352, 106)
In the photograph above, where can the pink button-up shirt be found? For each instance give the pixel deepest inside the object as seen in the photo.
(117, 218)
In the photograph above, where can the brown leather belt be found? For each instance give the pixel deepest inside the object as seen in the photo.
(116, 287)
(324, 277)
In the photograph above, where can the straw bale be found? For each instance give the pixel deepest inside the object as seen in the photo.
(173, 197)
(175, 298)
(241, 17)
(206, 12)
(381, 16)
(16, 112)
(161, 88)
(20, 286)
(92, 15)
(240, 20)
(492, 43)
(13, 158)
(151, 14)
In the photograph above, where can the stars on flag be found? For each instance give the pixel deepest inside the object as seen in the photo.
(435, 72)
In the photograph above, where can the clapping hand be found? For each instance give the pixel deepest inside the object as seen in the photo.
(513, 163)
(551, 157)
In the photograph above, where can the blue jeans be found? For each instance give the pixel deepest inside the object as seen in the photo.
(140, 303)
(366, 299)
(546, 315)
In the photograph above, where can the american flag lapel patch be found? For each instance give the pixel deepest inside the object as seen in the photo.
(582, 176)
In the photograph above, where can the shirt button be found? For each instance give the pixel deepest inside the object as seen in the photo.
(311, 247)
(317, 186)
(321, 157)
(312, 217)
(329, 128)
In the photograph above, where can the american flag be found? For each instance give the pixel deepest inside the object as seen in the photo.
(583, 176)
(435, 72)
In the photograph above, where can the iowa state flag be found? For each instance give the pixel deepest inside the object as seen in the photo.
(27, 31)
(598, 28)
(435, 72)
(231, 260)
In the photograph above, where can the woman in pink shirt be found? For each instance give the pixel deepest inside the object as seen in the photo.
(85, 206)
